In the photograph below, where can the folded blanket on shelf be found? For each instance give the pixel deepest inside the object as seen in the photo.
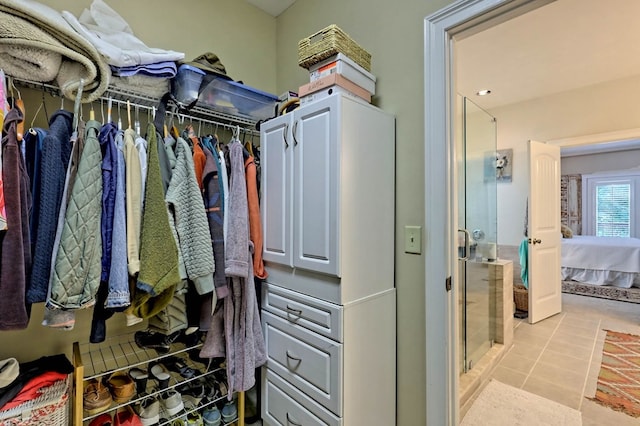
(153, 87)
(37, 44)
(114, 38)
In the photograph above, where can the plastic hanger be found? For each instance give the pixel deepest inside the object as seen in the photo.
(18, 103)
(129, 114)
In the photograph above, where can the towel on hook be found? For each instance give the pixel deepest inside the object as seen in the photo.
(37, 44)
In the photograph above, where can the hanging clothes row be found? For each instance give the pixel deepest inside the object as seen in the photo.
(164, 227)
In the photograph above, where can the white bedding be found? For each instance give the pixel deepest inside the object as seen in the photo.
(601, 260)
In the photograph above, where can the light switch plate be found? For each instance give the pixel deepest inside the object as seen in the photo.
(413, 239)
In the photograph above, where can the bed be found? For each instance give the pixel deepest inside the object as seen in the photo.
(613, 261)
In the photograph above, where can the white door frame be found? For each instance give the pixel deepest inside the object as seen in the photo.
(459, 19)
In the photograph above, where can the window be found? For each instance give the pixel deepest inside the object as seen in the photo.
(609, 208)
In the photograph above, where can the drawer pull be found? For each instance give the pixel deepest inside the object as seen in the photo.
(295, 311)
(289, 421)
(295, 358)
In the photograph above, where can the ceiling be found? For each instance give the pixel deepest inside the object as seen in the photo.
(272, 7)
(565, 45)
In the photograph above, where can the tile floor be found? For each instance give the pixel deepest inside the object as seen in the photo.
(559, 358)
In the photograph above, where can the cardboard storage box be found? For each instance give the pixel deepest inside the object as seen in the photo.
(331, 80)
(342, 64)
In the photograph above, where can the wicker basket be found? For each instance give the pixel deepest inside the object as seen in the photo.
(521, 297)
(51, 408)
(328, 42)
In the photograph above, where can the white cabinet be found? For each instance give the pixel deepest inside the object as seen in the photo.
(329, 303)
(300, 158)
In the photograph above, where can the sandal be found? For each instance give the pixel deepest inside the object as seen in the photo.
(179, 366)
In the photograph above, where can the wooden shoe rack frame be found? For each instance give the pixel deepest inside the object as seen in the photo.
(121, 353)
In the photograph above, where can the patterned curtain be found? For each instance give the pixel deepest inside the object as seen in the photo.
(571, 202)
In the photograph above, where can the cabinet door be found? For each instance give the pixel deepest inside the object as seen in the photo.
(276, 151)
(315, 184)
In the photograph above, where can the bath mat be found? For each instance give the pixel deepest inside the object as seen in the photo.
(619, 379)
(503, 405)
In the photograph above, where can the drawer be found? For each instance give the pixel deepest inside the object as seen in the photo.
(282, 404)
(310, 362)
(297, 308)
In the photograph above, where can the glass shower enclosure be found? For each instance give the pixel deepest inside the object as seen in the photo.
(477, 224)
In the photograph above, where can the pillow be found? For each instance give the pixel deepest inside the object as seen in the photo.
(566, 231)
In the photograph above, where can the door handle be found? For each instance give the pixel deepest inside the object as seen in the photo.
(297, 312)
(535, 241)
(295, 128)
(467, 244)
(295, 358)
(284, 136)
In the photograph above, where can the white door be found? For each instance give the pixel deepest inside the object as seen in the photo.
(315, 186)
(277, 170)
(545, 287)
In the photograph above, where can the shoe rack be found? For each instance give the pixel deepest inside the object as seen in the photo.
(120, 354)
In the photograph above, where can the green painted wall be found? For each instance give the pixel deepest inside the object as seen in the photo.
(393, 33)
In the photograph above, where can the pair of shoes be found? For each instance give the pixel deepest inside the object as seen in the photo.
(161, 374)
(149, 411)
(96, 397)
(229, 412)
(194, 419)
(178, 365)
(152, 340)
(125, 416)
(121, 386)
(140, 377)
(193, 392)
(102, 420)
(172, 401)
(211, 416)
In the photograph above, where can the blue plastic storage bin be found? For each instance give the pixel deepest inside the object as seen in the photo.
(222, 95)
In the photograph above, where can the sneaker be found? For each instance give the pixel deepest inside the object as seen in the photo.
(152, 340)
(194, 419)
(172, 402)
(194, 392)
(96, 397)
(229, 412)
(149, 411)
(211, 416)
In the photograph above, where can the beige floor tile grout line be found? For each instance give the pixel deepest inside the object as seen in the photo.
(593, 351)
(543, 349)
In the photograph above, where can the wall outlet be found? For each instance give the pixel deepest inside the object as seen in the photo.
(413, 239)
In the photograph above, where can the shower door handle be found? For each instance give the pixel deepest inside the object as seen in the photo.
(467, 244)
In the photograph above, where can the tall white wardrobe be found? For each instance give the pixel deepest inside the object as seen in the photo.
(329, 303)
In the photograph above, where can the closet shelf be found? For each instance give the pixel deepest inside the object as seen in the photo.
(121, 353)
(135, 98)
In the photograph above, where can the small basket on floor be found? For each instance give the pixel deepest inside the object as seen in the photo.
(521, 297)
(51, 408)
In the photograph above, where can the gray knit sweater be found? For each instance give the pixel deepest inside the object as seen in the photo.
(189, 219)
